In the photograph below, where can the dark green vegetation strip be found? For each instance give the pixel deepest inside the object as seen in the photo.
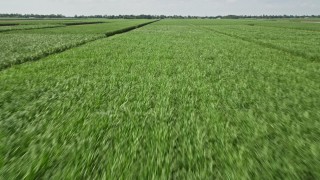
(10, 24)
(28, 27)
(37, 44)
(124, 30)
(82, 23)
(167, 101)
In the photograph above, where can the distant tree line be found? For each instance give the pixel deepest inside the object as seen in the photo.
(266, 16)
(32, 16)
(194, 17)
(142, 16)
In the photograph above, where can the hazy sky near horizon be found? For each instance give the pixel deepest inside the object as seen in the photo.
(159, 7)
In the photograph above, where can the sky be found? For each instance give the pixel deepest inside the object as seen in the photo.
(162, 7)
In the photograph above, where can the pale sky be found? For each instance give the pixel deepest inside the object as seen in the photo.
(159, 7)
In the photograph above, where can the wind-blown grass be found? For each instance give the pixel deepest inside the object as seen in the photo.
(164, 101)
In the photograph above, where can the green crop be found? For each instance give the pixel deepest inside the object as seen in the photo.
(19, 48)
(24, 27)
(26, 45)
(101, 28)
(298, 42)
(172, 100)
(25, 24)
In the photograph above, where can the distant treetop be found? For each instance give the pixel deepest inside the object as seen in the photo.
(15, 15)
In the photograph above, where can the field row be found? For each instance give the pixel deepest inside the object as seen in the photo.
(284, 24)
(37, 43)
(297, 42)
(22, 24)
(25, 45)
(170, 100)
(301, 43)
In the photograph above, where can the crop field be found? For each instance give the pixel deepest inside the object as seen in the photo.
(175, 99)
(20, 24)
(23, 27)
(31, 44)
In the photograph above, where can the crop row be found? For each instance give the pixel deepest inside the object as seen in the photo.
(101, 28)
(301, 43)
(22, 46)
(26, 27)
(300, 24)
(15, 25)
(43, 26)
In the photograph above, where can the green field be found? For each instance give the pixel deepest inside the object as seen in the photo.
(176, 99)
(21, 24)
(23, 45)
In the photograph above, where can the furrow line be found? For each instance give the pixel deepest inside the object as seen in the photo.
(83, 23)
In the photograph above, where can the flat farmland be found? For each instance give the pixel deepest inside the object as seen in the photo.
(22, 45)
(175, 99)
(20, 24)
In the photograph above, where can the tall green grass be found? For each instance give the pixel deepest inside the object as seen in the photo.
(164, 101)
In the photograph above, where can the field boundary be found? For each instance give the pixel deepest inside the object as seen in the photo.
(268, 45)
(67, 47)
(84, 23)
(9, 24)
(124, 30)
